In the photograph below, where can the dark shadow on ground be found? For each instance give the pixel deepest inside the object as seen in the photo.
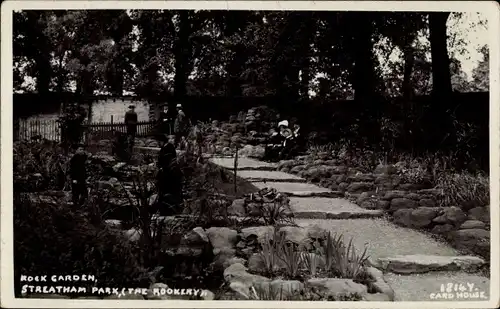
(224, 183)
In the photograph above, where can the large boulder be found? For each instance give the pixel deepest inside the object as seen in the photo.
(402, 203)
(337, 288)
(195, 237)
(287, 289)
(222, 237)
(480, 213)
(402, 217)
(223, 257)
(237, 208)
(475, 240)
(240, 281)
(358, 187)
(249, 151)
(296, 235)
(451, 215)
(472, 224)
(261, 233)
(422, 216)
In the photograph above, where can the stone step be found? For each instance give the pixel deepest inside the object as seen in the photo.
(419, 263)
(244, 164)
(297, 189)
(269, 176)
(293, 188)
(329, 208)
(427, 287)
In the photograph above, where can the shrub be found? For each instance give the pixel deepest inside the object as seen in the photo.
(464, 189)
(70, 122)
(270, 292)
(291, 258)
(39, 165)
(272, 207)
(310, 262)
(341, 259)
(56, 239)
(271, 249)
(412, 170)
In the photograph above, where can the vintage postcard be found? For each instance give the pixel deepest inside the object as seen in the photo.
(247, 154)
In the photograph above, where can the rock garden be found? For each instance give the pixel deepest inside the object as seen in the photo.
(420, 193)
(230, 239)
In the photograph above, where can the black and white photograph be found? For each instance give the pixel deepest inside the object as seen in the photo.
(246, 154)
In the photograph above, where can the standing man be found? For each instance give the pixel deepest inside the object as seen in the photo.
(131, 123)
(78, 175)
(165, 121)
(180, 124)
(169, 179)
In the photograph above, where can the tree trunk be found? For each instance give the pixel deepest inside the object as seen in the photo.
(408, 94)
(409, 58)
(234, 70)
(60, 74)
(444, 134)
(441, 77)
(116, 79)
(182, 52)
(364, 75)
(43, 74)
(305, 65)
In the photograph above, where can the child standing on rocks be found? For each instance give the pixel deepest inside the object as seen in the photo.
(78, 175)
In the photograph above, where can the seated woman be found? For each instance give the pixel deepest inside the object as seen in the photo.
(277, 142)
(293, 144)
(272, 146)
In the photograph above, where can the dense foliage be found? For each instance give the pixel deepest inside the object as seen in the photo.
(238, 52)
(383, 61)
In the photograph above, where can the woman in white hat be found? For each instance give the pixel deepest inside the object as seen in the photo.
(284, 130)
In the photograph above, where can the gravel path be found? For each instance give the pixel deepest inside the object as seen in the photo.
(383, 238)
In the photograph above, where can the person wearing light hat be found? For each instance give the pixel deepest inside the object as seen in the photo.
(180, 124)
(277, 141)
(284, 130)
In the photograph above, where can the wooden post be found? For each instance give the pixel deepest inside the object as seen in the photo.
(235, 170)
(112, 127)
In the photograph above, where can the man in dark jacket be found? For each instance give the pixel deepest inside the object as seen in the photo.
(169, 180)
(78, 175)
(131, 124)
(165, 121)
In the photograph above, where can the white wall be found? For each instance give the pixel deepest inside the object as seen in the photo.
(103, 109)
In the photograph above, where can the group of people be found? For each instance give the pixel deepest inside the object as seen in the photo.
(284, 142)
(179, 122)
(168, 124)
(169, 178)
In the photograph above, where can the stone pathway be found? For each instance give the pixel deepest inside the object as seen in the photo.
(415, 265)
